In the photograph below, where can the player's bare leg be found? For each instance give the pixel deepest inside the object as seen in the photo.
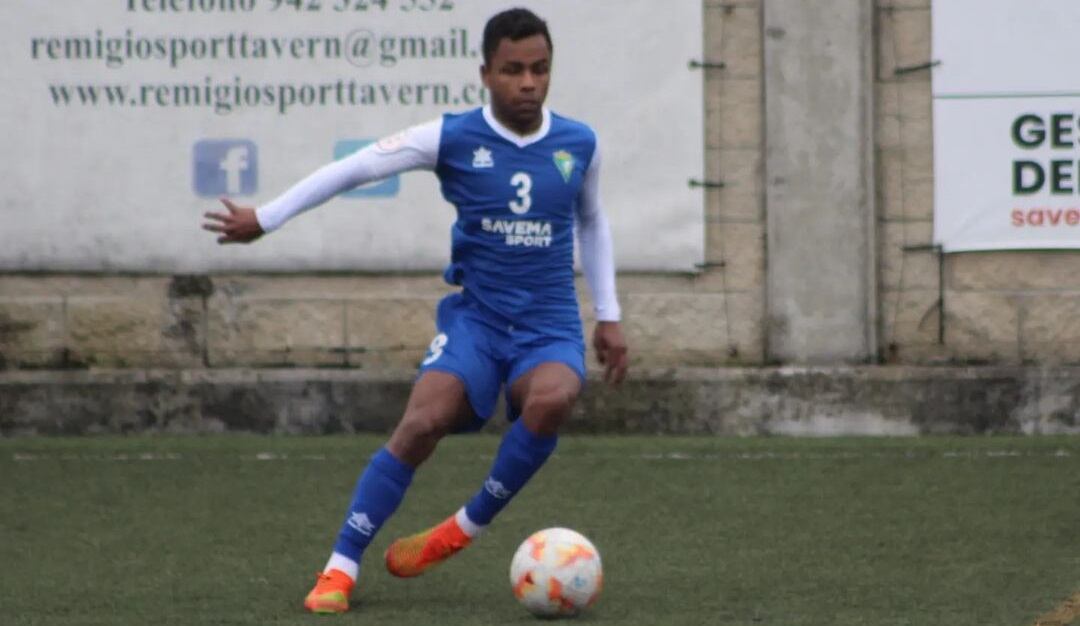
(437, 405)
(545, 396)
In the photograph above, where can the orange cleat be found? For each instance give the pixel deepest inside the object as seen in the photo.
(331, 593)
(412, 556)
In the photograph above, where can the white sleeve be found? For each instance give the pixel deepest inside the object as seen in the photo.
(415, 148)
(597, 250)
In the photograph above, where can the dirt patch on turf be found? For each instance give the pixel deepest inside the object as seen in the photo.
(1068, 612)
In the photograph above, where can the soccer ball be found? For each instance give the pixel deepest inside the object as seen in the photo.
(556, 572)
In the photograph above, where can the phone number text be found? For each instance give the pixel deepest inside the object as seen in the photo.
(298, 6)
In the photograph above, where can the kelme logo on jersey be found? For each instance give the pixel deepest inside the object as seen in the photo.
(564, 161)
(481, 157)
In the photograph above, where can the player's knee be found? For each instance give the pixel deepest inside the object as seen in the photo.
(422, 424)
(417, 434)
(549, 404)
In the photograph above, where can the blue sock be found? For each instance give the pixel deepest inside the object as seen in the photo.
(520, 454)
(377, 495)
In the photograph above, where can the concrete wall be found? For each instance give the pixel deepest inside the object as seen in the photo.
(1001, 308)
(819, 198)
(863, 400)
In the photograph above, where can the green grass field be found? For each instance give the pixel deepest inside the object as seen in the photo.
(229, 530)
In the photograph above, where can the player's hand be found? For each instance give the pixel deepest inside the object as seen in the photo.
(611, 351)
(239, 225)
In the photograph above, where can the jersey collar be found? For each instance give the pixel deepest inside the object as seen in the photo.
(518, 140)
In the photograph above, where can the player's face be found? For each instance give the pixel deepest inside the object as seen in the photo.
(518, 77)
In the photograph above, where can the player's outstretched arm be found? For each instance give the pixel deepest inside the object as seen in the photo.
(415, 148)
(239, 225)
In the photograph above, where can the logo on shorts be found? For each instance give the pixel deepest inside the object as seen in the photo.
(362, 523)
(496, 489)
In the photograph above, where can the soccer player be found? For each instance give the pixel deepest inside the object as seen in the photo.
(522, 179)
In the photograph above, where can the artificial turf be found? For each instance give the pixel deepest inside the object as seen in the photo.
(230, 530)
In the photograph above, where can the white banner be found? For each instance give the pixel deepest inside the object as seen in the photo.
(125, 119)
(1006, 124)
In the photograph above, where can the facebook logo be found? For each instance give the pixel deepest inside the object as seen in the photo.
(386, 188)
(227, 167)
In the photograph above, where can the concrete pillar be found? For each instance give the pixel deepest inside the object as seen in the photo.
(819, 200)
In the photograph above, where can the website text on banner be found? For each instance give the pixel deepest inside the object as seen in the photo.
(126, 120)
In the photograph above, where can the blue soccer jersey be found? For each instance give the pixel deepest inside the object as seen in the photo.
(513, 241)
(518, 200)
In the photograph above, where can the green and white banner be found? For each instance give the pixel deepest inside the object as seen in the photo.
(1006, 124)
(124, 120)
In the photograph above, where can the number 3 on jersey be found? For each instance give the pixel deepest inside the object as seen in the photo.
(523, 182)
(435, 350)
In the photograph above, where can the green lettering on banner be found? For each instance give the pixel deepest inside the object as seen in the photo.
(1028, 131)
(1019, 187)
(1060, 130)
(1060, 173)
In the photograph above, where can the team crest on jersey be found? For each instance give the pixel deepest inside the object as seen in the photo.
(564, 162)
(481, 157)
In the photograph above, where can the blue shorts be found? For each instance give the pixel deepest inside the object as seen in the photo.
(487, 354)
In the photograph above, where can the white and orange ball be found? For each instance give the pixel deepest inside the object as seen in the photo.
(556, 571)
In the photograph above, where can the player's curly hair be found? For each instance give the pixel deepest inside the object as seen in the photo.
(513, 24)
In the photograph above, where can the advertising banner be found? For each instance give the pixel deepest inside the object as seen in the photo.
(1006, 125)
(125, 120)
